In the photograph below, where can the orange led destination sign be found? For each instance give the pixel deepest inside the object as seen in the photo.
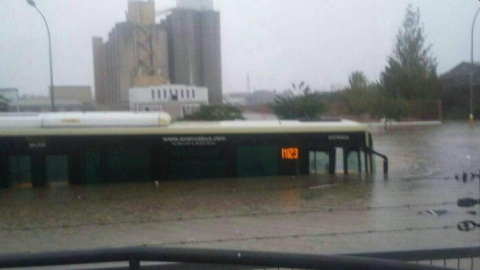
(290, 153)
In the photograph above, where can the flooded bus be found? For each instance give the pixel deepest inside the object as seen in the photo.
(88, 148)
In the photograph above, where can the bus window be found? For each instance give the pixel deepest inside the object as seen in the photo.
(319, 162)
(125, 164)
(4, 171)
(311, 160)
(190, 162)
(255, 161)
(57, 169)
(353, 161)
(93, 167)
(20, 170)
(339, 168)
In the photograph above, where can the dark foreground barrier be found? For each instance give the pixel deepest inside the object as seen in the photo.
(179, 258)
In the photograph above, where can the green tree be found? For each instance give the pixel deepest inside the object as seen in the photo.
(216, 113)
(411, 70)
(360, 95)
(304, 105)
(386, 108)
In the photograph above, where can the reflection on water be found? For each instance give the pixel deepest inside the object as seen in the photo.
(267, 209)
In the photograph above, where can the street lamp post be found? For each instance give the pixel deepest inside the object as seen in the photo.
(471, 72)
(52, 97)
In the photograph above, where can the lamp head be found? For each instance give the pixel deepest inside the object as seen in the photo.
(31, 3)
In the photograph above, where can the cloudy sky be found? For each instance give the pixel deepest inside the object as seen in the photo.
(276, 41)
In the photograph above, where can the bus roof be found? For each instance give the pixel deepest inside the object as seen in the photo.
(195, 128)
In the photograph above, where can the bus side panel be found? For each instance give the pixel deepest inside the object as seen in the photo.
(4, 171)
(133, 158)
(255, 161)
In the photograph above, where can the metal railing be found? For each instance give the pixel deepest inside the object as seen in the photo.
(385, 159)
(458, 256)
(176, 258)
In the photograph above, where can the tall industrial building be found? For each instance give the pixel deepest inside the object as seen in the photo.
(184, 48)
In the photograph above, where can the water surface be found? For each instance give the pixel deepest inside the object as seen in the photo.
(315, 214)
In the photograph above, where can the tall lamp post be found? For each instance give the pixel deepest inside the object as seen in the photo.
(471, 73)
(52, 98)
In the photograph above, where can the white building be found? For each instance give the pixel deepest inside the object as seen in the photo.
(177, 100)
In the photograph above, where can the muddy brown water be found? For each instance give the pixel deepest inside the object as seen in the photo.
(313, 214)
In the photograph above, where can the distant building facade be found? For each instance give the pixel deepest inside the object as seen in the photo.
(460, 74)
(456, 90)
(177, 100)
(11, 97)
(261, 97)
(236, 99)
(80, 93)
(74, 98)
(44, 105)
(100, 71)
(184, 48)
(194, 46)
(257, 97)
(135, 54)
(198, 5)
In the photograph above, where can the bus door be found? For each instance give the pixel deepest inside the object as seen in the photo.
(354, 161)
(320, 161)
(337, 160)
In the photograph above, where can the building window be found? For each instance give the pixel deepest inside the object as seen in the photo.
(193, 93)
(189, 109)
(174, 95)
(181, 93)
(152, 108)
(164, 93)
(159, 94)
(188, 93)
(153, 94)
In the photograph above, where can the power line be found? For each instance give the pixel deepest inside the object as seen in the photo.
(334, 234)
(258, 214)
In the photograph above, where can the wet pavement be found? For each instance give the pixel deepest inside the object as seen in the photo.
(313, 214)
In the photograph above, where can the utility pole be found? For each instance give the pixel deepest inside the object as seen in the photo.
(52, 97)
(472, 71)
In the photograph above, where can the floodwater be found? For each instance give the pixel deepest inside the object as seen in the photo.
(310, 214)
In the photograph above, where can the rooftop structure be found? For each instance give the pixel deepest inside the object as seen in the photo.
(184, 48)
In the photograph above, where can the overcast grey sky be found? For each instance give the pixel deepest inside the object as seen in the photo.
(276, 41)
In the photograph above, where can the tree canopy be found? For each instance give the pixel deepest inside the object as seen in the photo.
(358, 80)
(304, 105)
(411, 70)
(216, 113)
(360, 94)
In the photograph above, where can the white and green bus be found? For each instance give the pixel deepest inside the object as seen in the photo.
(86, 148)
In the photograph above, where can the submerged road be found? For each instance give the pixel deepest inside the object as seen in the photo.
(313, 214)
